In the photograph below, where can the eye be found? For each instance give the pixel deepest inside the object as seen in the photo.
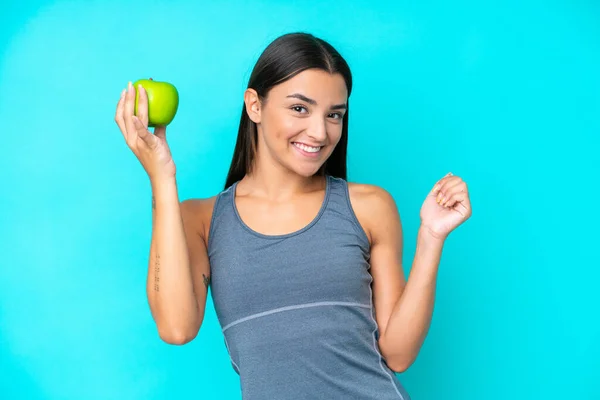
(335, 115)
(299, 109)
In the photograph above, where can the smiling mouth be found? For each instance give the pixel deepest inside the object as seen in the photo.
(307, 148)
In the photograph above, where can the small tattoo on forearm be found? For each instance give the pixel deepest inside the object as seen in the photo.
(153, 203)
(156, 271)
(206, 281)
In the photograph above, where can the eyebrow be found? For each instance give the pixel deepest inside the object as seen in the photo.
(313, 102)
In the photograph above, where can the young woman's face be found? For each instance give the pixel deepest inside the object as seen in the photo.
(301, 120)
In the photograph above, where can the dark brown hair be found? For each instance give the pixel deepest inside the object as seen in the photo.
(285, 57)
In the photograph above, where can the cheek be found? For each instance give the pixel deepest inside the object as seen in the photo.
(285, 127)
(335, 134)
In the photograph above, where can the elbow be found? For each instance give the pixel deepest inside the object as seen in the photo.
(177, 339)
(178, 336)
(401, 363)
(397, 362)
(178, 333)
(399, 366)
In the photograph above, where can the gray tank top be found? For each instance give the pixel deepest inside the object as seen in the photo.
(296, 310)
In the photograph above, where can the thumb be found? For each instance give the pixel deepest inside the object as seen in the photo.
(143, 133)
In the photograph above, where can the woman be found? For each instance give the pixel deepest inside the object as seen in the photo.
(289, 248)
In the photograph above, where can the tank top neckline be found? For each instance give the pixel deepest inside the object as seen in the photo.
(284, 235)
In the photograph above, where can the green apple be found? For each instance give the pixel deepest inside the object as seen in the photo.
(163, 101)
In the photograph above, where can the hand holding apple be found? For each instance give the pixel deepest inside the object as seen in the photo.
(151, 149)
(163, 100)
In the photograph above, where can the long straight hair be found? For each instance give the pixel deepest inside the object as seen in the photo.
(285, 57)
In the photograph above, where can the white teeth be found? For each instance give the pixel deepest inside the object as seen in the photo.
(306, 148)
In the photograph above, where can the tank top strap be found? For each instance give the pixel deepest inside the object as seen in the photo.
(341, 206)
(222, 214)
(336, 211)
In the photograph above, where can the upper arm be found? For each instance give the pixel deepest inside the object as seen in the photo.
(196, 214)
(377, 212)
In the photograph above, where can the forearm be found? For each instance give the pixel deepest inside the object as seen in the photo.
(411, 317)
(169, 285)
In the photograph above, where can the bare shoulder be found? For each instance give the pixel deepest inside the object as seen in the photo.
(197, 214)
(372, 197)
(374, 207)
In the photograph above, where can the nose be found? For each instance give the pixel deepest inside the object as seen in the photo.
(318, 130)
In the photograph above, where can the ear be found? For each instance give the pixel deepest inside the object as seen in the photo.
(252, 102)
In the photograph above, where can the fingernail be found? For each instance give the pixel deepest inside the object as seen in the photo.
(140, 86)
(129, 86)
(123, 93)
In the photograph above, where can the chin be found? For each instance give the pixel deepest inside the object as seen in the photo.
(306, 170)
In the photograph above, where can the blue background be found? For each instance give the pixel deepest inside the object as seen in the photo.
(505, 94)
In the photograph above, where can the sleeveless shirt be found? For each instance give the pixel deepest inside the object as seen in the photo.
(296, 309)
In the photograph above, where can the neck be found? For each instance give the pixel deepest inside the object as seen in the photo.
(270, 180)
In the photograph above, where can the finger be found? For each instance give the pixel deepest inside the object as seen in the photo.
(142, 105)
(128, 112)
(461, 187)
(161, 132)
(460, 202)
(448, 189)
(143, 133)
(119, 114)
(446, 184)
(439, 183)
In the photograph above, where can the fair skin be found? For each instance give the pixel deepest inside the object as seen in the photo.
(282, 195)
